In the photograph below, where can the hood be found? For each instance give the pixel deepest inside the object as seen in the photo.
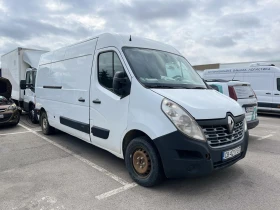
(5, 88)
(202, 104)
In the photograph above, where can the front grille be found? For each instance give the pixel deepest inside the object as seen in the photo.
(219, 136)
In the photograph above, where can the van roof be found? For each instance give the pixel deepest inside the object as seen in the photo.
(119, 41)
(258, 69)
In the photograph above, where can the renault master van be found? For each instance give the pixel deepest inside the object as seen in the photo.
(264, 79)
(142, 101)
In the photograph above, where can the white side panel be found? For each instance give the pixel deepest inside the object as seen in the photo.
(46, 58)
(63, 89)
(81, 49)
(276, 92)
(262, 85)
(10, 69)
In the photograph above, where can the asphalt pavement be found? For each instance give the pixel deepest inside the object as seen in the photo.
(63, 172)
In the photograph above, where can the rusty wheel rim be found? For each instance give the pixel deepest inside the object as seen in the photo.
(141, 162)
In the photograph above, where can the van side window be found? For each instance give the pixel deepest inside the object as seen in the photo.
(278, 84)
(108, 64)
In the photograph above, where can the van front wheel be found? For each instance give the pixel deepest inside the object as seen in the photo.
(143, 162)
(46, 128)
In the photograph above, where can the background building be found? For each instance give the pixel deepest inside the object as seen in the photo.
(201, 68)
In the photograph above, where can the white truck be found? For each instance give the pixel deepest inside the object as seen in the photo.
(264, 79)
(19, 66)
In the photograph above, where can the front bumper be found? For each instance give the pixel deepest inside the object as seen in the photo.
(252, 123)
(10, 117)
(185, 157)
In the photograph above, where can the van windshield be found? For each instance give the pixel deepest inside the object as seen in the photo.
(158, 69)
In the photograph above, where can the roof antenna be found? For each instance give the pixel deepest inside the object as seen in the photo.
(130, 38)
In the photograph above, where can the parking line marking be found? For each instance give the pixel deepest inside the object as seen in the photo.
(264, 137)
(4, 134)
(116, 191)
(93, 165)
(261, 137)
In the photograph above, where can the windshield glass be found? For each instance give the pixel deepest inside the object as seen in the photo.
(158, 69)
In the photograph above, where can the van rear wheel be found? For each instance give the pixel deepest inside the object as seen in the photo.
(46, 128)
(143, 162)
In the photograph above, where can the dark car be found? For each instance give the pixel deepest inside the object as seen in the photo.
(9, 112)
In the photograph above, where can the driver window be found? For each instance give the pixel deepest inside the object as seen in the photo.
(108, 64)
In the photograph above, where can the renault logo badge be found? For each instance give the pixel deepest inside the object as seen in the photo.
(230, 124)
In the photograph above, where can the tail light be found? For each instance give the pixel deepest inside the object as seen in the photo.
(232, 92)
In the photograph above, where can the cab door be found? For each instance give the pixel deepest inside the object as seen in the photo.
(276, 93)
(29, 92)
(108, 110)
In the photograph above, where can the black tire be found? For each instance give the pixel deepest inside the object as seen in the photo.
(46, 128)
(155, 174)
(32, 115)
(18, 119)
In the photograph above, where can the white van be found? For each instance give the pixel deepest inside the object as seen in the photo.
(243, 94)
(142, 101)
(265, 81)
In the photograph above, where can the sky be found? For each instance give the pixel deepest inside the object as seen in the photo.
(204, 31)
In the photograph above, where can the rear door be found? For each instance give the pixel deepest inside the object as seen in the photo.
(276, 93)
(108, 110)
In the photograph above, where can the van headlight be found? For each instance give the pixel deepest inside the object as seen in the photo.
(182, 120)
(12, 107)
(245, 124)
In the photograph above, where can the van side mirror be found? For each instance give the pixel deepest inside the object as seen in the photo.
(22, 84)
(121, 84)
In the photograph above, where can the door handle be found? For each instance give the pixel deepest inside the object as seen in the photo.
(96, 101)
(81, 99)
(268, 93)
(276, 94)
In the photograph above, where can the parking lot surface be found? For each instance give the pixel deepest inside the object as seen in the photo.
(63, 172)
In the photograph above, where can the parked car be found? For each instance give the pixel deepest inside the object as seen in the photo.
(264, 79)
(243, 94)
(9, 112)
(142, 101)
(19, 66)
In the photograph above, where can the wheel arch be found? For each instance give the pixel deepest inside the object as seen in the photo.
(132, 134)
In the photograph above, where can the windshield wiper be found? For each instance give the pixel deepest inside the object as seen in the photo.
(198, 88)
(161, 86)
